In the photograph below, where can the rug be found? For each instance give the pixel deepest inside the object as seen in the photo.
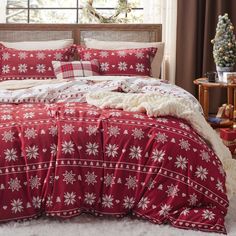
(87, 225)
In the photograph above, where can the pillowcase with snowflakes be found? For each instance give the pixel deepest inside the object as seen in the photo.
(33, 64)
(128, 62)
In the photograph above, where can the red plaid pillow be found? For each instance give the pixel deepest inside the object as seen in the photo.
(120, 62)
(68, 70)
(33, 64)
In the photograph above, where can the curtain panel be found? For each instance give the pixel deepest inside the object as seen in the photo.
(196, 25)
(164, 12)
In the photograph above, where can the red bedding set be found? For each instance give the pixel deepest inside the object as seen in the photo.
(62, 159)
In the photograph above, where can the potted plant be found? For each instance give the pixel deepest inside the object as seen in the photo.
(224, 49)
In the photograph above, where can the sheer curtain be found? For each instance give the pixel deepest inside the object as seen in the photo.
(164, 12)
(3, 11)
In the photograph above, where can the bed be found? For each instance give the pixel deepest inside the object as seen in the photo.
(113, 144)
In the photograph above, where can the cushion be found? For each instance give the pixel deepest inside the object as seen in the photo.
(157, 60)
(39, 45)
(70, 70)
(120, 62)
(35, 64)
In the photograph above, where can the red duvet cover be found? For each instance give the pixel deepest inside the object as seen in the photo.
(67, 158)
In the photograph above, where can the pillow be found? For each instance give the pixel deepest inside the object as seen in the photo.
(157, 60)
(35, 64)
(68, 70)
(120, 62)
(39, 45)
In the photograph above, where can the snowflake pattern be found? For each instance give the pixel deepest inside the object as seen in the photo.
(184, 144)
(165, 209)
(138, 133)
(135, 152)
(34, 182)
(161, 137)
(69, 198)
(111, 150)
(17, 205)
(109, 180)
(128, 202)
(143, 203)
(36, 201)
(181, 162)
(69, 177)
(205, 156)
(208, 215)
(10, 154)
(113, 131)
(201, 173)
(92, 130)
(158, 155)
(193, 199)
(92, 148)
(89, 198)
(131, 182)
(68, 129)
(107, 201)
(32, 152)
(172, 191)
(30, 133)
(68, 147)
(14, 184)
(91, 178)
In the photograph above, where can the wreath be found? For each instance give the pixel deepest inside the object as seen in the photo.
(122, 7)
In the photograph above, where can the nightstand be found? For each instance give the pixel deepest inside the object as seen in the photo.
(203, 93)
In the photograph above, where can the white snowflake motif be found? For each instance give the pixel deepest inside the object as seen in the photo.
(92, 148)
(22, 55)
(53, 130)
(92, 113)
(113, 131)
(28, 115)
(32, 152)
(10, 154)
(87, 56)
(104, 66)
(92, 130)
(151, 184)
(131, 182)
(34, 182)
(208, 215)
(158, 155)
(138, 116)
(111, 150)
(172, 191)
(5, 69)
(201, 173)
(69, 198)
(165, 209)
(40, 55)
(181, 162)
(40, 68)
(53, 149)
(205, 156)
(139, 54)
(89, 198)
(22, 68)
(36, 201)
(219, 186)
(135, 152)
(6, 117)
(184, 126)
(138, 133)
(139, 67)
(128, 202)
(122, 66)
(49, 201)
(68, 147)
(107, 201)
(68, 129)
(6, 56)
(69, 177)
(185, 212)
(122, 53)
(162, 120)
(58, 56)
(192, 199)
(14, 184)
(8, 136)
(104, 54)
(91, 178)
(30, 133)
(184, 144)
(143, 203)
(109, 180)
(69, 111)
(17, 205)
(115, 114)
(161, 137)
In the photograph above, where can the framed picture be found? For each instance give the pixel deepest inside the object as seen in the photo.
(229, 77)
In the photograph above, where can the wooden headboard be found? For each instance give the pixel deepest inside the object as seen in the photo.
(111, 32)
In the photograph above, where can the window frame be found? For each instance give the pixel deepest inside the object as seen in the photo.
(77, 9)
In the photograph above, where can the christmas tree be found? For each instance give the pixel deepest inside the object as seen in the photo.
(224, 50)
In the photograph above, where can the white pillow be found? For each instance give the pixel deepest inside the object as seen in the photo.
(111, 45)
(39, 45)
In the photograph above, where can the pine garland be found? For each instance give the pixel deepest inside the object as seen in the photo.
(224, 49)
(122, 7)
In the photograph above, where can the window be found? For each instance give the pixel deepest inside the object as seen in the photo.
(61, 11)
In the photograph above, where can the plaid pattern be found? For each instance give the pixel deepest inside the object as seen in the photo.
(70, 70)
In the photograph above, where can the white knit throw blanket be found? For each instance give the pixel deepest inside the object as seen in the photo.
(154, 105)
